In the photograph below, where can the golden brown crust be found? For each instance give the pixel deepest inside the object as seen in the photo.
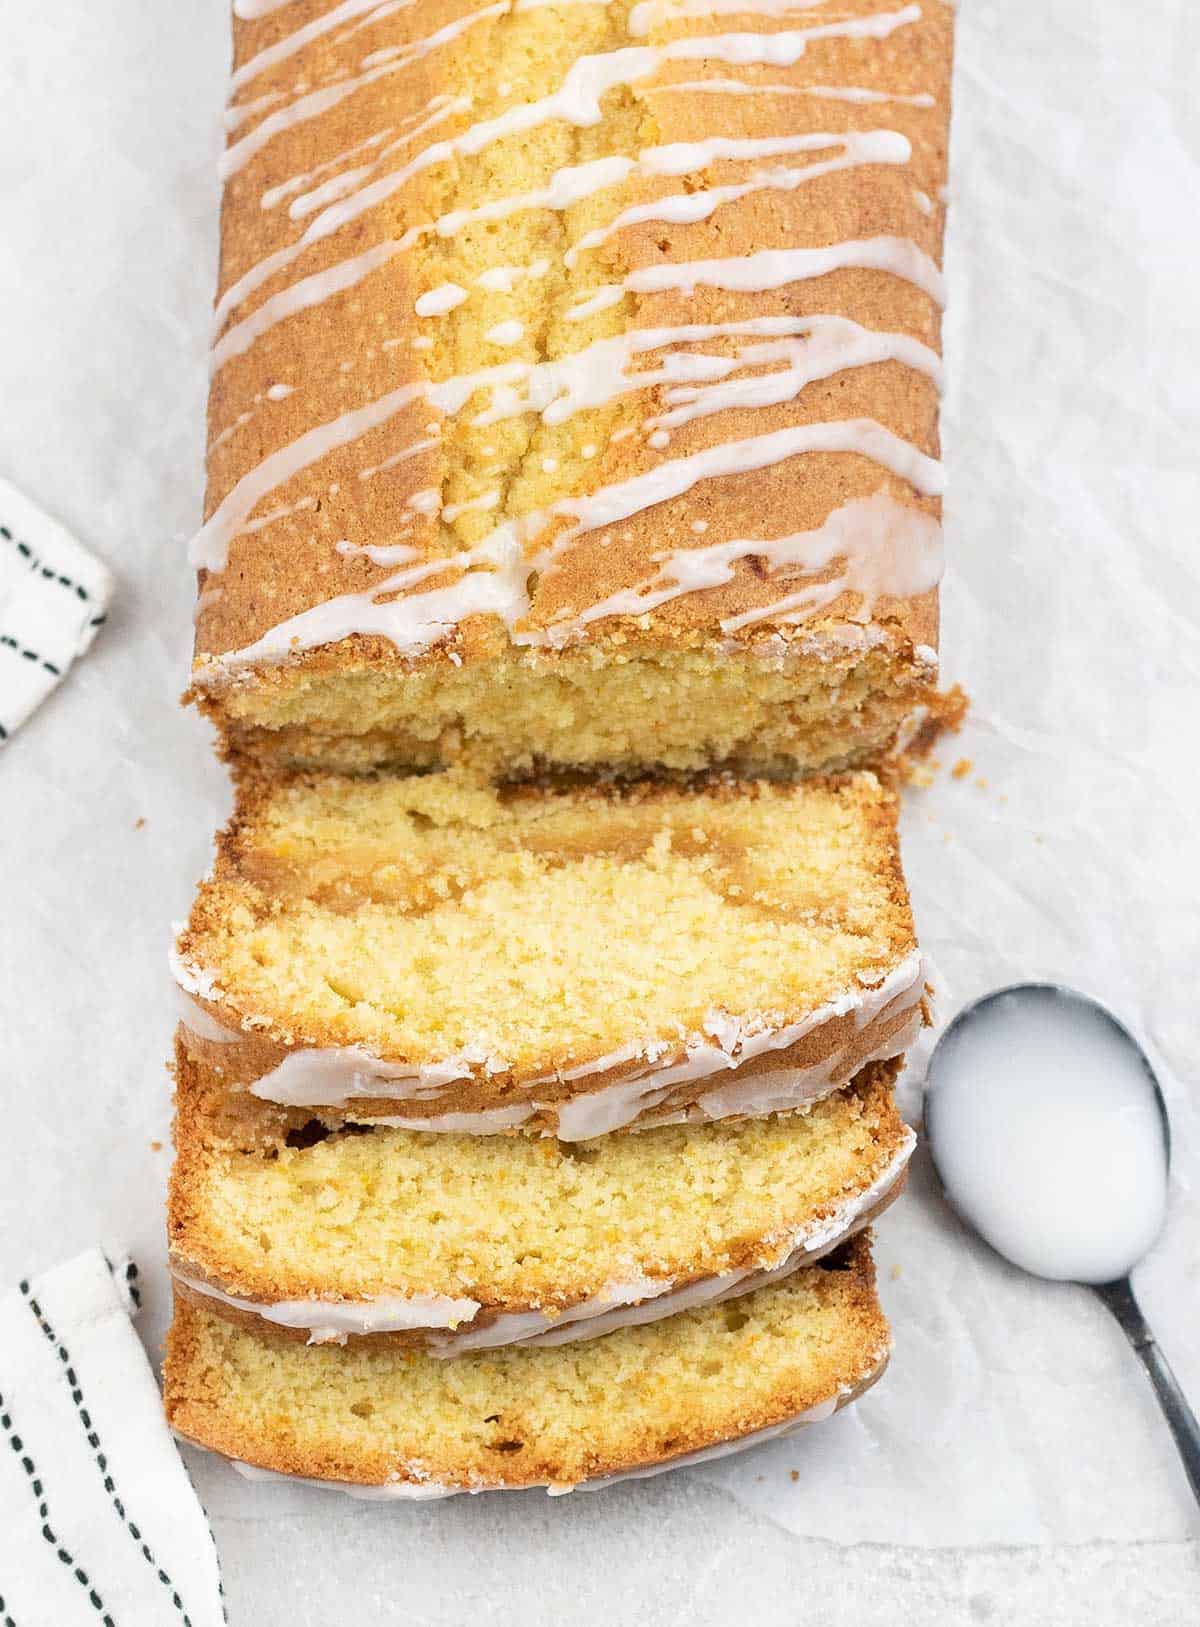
(210, 1129)
(255, 1044)
(292, 563)
(242, 1063)
(528, 1450)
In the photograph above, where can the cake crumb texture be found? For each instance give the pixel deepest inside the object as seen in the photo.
(517, 1222)
(512, 1418)
(425, 917)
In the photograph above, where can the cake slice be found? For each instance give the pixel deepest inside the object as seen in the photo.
(575, 385)
(466, 1242)
(452, 957)
(387, 1422)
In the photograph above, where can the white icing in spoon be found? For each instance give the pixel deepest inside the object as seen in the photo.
(1050, 1134)
(1047, 1131)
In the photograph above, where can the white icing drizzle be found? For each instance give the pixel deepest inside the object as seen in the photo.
(234, 117)
(766, 269)
(473, 505)
(271, 55)
(829, 93)
(197, 981)
(369, 470)
(832, 345)
(250, 9)
(573, 183)
(386, 9)
(610, 294)
(810, 348)
(329, 191)
(763, 1094)
(336, 1076)
(577, 101)
(648, 14)
(319, 101)
(782, 49)
(297, 183)
(300, 296)
(688, 208)
(492, 577)
(416, 621)
(437, 111)
(197, 1021)
(509, 332)
(619, 501)
(589, 378)
(211, 541)
(728, 1045)
(503, 279)
(631, 1303)
(437, 301)
(887, 549)
(331, 1321)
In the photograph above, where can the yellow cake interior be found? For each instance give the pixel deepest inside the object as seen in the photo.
(603, 706)
(518, 1222)
(420, 917)
(528, 1416)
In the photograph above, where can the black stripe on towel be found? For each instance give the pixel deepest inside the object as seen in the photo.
(45, 571)
(48, 1535)
(93, 1440)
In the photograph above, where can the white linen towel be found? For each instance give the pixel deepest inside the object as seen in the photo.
(53, 596)
(99, 1524)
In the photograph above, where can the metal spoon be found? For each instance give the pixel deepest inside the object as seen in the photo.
(1050, 1136)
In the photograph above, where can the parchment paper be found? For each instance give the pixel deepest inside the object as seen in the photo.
(1012, 1413)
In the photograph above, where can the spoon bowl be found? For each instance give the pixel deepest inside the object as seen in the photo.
(1049, 1133)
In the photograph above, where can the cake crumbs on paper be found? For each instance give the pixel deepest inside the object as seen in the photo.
(156, 1146)
(962, 768)
(895, 1272)
(795, 1474)
(139, 824)
(944, 715)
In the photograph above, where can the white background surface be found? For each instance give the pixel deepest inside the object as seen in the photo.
(1012, 1467)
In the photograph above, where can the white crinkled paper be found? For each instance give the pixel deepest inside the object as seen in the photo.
(1012, 1412)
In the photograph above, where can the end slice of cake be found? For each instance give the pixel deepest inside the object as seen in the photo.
(575, 386)
(385, 1422)
(452, 957)
(455, 1243)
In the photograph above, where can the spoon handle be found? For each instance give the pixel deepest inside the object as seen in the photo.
(1118, 1296)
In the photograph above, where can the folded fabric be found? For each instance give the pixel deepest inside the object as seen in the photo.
(99, 1523)
(53, 596)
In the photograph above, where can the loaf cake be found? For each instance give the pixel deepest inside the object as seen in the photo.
(467, 1242)
(455, 957)
(575, 385)
(383, 1421)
